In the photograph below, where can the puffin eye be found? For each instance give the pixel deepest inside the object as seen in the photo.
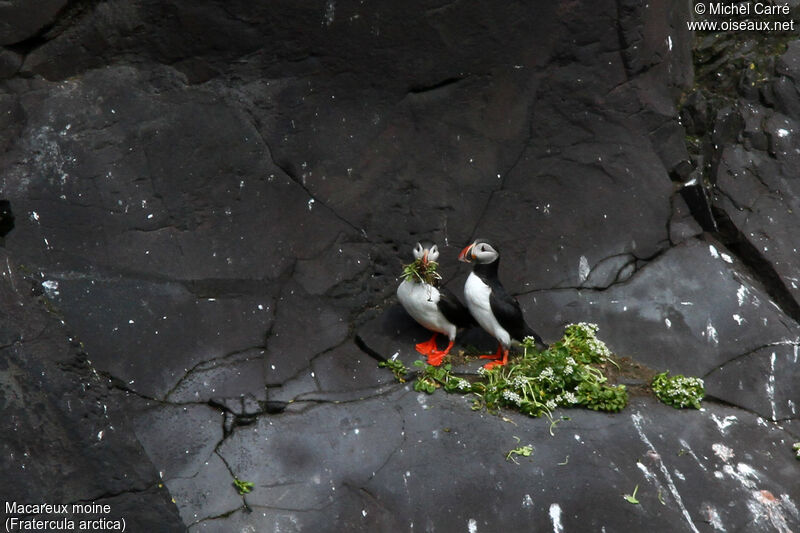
(483, 248)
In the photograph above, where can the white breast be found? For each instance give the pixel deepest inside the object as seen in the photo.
(477, 294)
(420, 301)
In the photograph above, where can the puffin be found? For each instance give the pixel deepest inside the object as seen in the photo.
(490, 304)
(434, 308)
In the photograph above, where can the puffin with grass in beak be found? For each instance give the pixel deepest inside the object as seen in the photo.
(434, 308)
(491, 306)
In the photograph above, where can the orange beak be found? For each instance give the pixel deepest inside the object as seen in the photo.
(466, 255)
(425, 259)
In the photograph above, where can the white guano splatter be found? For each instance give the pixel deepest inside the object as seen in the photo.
(787, 502)
(583, 269)
(744, 473)
(527, 501)
(330, 13)
(637, 423)
(691, 452)
(765, 506)
(771, 387)
(472, 526)
(555, 517)
(741, 294)
(722, 451)
(711, 333)
(713, 518)
(650, 476)
(724, 423)
(50, 288)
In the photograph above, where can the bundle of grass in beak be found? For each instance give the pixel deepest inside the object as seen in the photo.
(421, 271)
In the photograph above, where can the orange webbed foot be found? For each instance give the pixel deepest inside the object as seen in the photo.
(425, 348)
(435, 357)
(500, 358)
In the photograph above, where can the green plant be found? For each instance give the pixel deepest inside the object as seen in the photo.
(433, 377)
(568, 374)
(796, 448)
(419, 272)
(563, 375)
(678, 391)
(397, 367)
(524, 451)
(582, 342)
(243, 487)
(599, 397)
(631, 498)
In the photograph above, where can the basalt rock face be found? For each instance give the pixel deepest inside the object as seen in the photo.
(66, 439)
(216, 199)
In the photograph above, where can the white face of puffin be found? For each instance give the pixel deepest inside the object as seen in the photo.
(428, 252)
(480, 252)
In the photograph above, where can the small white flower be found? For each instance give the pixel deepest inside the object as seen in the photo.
(550, 404)
(570, 397)
(512, 397)
(547, 373)
(571, 361)
(587, 328)
(519, 382)
(568, 370)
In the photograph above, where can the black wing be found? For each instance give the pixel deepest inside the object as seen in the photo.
(509, 314)
(453, 310)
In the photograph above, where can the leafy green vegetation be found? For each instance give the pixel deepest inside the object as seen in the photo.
(433, 377)
(568, 374)
(564, 375)
(524, 451)
(244, 487)
(419, 272)
(397, 367)
(678, 391)
(631, 498)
